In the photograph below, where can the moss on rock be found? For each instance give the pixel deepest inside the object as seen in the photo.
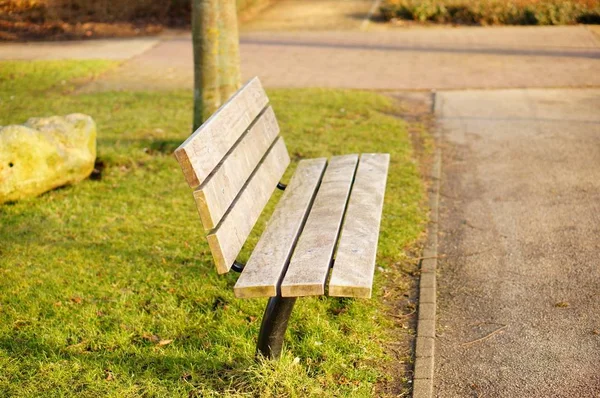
(45, 153)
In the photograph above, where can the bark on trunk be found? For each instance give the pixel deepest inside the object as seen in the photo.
(216, 55)
(205, 41)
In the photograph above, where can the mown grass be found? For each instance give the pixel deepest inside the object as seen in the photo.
(491, 12)
(108, 287)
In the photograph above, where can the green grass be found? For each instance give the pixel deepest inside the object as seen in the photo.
(491, 12)
(94, 276)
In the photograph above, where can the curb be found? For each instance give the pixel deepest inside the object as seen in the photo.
(425, 342)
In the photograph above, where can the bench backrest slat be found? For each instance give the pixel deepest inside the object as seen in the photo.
(227, 239)
(234, 161)
(206, 147)
(218, 191)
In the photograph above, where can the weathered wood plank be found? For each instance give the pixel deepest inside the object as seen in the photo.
(310, 262)
(264, 269)
(227, 239)
(352, 274)
(203, 150)
(216, 194)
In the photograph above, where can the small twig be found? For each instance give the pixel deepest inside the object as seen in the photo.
(468, 224)
(486, 336)
(403, 316)
(485, 323)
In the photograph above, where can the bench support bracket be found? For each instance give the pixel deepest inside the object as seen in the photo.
(273, 326)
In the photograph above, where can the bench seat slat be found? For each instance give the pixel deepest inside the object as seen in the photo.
(227, 239)
(202, 151)
(263, 270)
(352, 274)
(216, 194)
(310, 262)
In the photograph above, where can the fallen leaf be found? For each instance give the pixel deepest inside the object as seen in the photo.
(76, 300)
(561, 304)
(596, 332)
(164, 342)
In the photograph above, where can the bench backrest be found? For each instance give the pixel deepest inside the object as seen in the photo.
(234, 162)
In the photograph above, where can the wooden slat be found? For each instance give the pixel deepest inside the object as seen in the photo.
(203, 150)
(263, 270)
(227, 239)
(216, 194)
(352, 274)
(310, 262)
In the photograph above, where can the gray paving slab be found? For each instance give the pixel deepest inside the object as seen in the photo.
(519, 282)
(409, 59)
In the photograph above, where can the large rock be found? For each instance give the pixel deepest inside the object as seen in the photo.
(45, 153)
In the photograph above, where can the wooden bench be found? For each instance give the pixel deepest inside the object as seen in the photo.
(329, 212)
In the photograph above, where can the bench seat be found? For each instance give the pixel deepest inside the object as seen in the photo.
(296, 251)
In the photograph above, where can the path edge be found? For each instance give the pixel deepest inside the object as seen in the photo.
(425, 341)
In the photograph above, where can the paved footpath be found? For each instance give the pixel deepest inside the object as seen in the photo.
(520, 244)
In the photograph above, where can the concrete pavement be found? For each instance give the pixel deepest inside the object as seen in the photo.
(519, 279)
(305, 15)
(396, 59)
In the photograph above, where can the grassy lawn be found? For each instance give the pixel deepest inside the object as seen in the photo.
(108, 287)
(491, 12)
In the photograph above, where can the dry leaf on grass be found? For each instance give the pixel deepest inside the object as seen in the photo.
(164, 342)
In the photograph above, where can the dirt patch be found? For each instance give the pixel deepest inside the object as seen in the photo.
(401, 293)
(400, 299)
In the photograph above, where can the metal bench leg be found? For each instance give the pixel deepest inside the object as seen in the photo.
(274, 325)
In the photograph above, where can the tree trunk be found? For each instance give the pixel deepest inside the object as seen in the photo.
(205, 41)
(229, 53)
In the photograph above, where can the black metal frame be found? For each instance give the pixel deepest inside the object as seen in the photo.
(273, 326)
(275, 319)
